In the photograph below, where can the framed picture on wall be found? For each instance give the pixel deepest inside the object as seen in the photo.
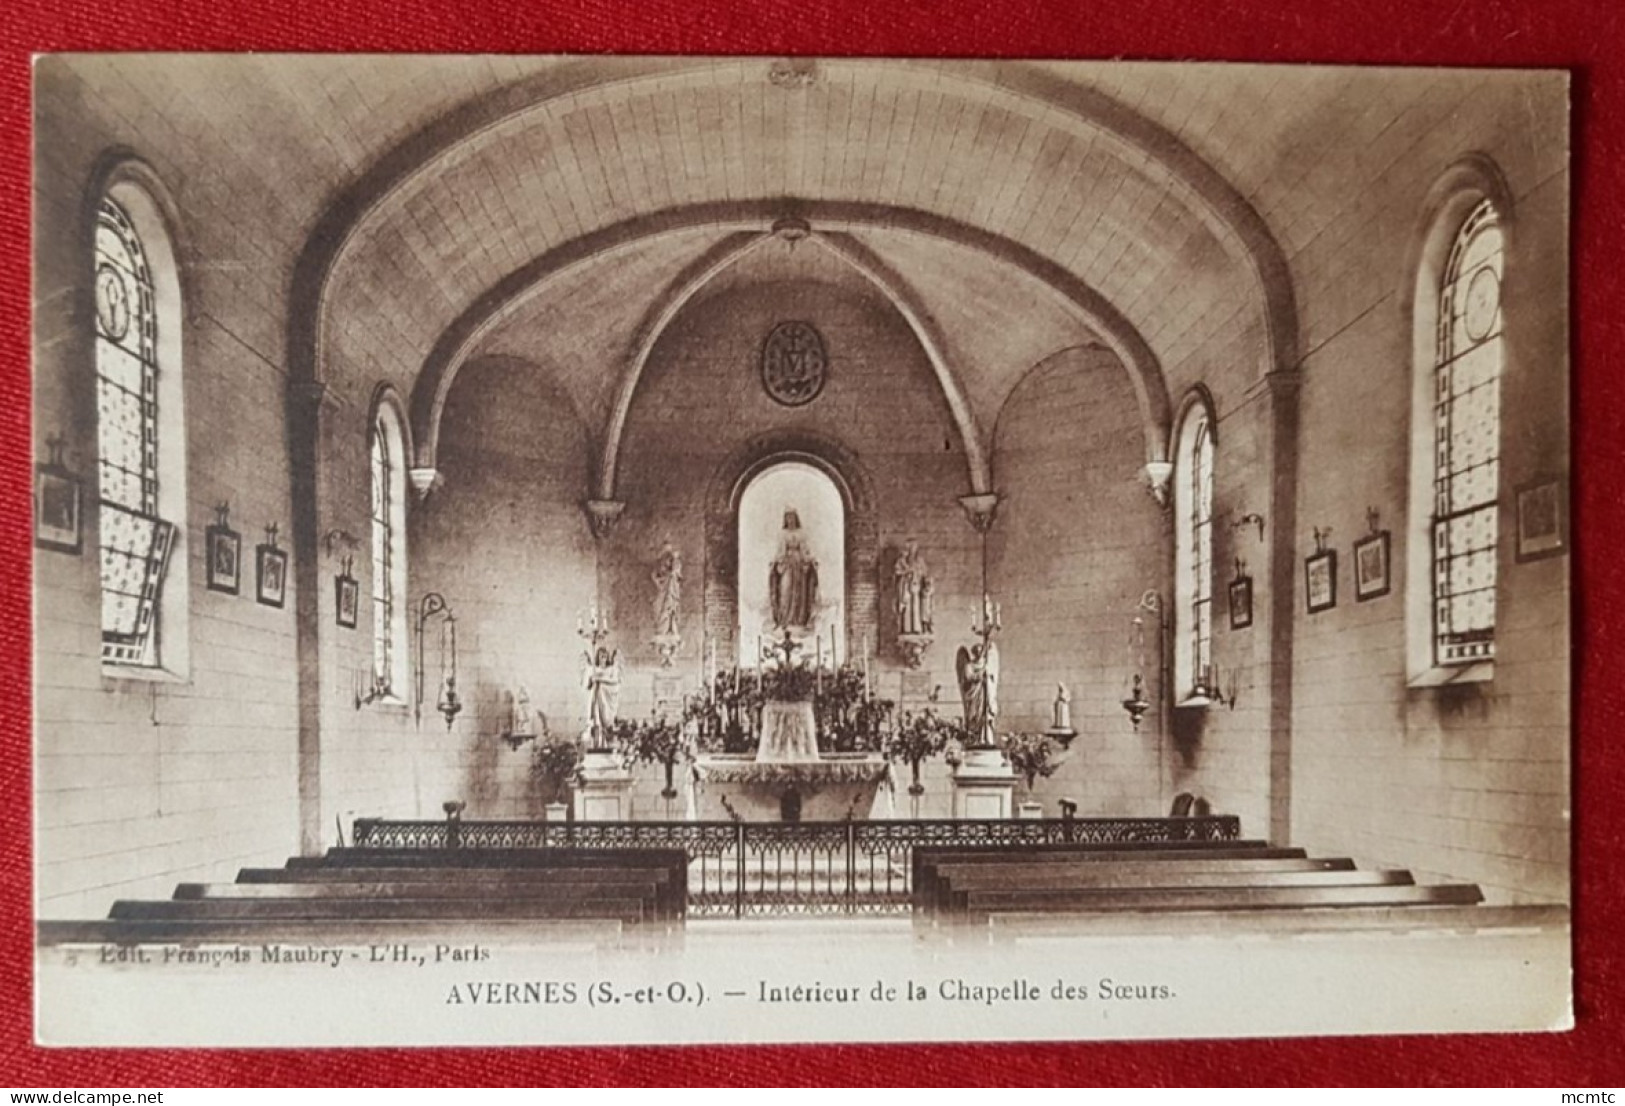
(347, 597)
(58, 503)
(1543, 519)
(224, 548)
(272, 577)
(1241, 602)
(1320, 580)
(1371, 565)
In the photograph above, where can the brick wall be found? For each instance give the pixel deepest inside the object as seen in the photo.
(140, 784)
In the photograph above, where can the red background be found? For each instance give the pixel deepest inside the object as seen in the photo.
(1573, 34)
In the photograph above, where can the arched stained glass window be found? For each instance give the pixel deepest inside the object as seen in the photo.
(135, 543)
(1466, 438)
(1193, 554)
(388, 503)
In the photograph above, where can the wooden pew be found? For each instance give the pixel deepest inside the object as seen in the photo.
(668, 901)
(356, 896)
(586, 902)
(671, 899)
(347, 934)
(927, 859)
(977, 907)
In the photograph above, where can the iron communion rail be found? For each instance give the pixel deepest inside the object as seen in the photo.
(752, 869)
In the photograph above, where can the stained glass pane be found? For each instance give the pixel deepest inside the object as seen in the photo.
(134, 559)
(1467, 431)
(1200, 478)
(134, 542)
(384, 526)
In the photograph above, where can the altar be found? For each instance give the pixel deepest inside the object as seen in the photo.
(787, 779)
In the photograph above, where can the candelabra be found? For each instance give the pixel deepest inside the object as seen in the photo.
(595, 629)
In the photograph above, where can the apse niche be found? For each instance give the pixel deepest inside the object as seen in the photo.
(792, 523)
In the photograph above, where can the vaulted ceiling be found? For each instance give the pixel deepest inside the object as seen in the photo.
(559, 210)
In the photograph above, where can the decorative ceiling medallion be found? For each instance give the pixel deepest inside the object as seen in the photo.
(794, 363)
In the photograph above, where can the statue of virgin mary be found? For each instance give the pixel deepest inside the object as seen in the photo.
(792, 580)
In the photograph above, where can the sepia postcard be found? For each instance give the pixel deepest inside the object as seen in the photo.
(661, 550)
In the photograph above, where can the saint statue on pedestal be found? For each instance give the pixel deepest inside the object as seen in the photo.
(601, 677)
(978, 669)
(668, 581)
(792, 581)
(914, 591)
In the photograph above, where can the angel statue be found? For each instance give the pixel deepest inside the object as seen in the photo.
(601, 679)
(978, 669)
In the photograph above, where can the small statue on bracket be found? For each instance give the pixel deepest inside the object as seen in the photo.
(668, 581)
(915, 597)
(1061, 724)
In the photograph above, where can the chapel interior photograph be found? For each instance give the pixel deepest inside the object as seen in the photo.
(612, 496)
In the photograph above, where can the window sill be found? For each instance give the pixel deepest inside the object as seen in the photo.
(113, 673)
(1480, 672)
(387, 704)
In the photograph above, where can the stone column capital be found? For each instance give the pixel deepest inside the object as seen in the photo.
(980, 510)
(602, 515)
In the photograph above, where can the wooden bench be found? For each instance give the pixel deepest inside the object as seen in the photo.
(927, 859)
(350, 933)
(1064, 877)
(352, 896)
(588, 902)
(670, 866)
(983, 884)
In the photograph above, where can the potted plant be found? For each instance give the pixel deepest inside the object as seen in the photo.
(655, 740)
(918, 738)
(1031, 757)
(555, 766)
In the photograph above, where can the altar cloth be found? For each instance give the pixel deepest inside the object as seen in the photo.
(835, 771)
(789, 733)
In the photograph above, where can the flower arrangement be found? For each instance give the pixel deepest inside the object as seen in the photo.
(655, 740)
(555, 766)
(788, 683)
(850, 720)
(1030, 754)
(728, 717)
(919, 737)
